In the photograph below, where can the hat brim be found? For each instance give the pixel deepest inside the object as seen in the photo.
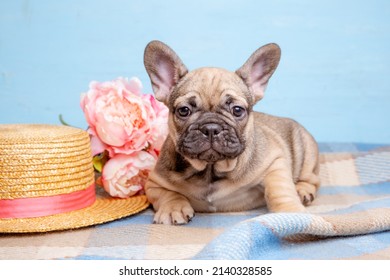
(105, 209)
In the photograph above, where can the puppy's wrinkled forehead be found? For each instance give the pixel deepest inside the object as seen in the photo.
(209, 87)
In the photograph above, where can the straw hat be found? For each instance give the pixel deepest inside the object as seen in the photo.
(47, 181)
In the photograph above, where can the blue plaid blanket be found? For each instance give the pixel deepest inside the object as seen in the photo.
(349, 219)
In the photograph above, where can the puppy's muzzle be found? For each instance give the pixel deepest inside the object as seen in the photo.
(211, 140)
(211, 130)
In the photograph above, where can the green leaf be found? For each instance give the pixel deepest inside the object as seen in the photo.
(99, 161)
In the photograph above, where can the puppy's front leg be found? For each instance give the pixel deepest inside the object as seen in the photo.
(280, 192)
(171, 207)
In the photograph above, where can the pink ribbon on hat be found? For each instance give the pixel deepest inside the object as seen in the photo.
(33, 207)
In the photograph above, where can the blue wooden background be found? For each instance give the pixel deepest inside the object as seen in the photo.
(334, 76)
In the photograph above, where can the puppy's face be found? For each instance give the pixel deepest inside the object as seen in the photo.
(209, 111)
(210, 108)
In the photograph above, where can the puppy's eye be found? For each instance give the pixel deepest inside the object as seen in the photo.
(183, 112)
(238, 111)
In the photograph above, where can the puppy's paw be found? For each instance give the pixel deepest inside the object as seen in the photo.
(306, 192)
(174, 213)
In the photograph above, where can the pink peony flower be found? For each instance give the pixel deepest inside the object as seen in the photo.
(127, 130)
(97, 145)
(160, 126)
(123, 119)
(124, 176)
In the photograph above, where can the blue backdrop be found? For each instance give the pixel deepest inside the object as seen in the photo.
(334, 76)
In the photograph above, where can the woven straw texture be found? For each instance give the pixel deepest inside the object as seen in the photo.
(45, 160)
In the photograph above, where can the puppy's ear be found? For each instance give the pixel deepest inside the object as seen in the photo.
(259, 68)
(164, 68)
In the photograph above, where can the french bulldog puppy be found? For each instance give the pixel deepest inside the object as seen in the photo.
(220, 155)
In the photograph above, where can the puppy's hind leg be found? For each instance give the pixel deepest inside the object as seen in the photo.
(280, 191)
(308, 183)
(306, 191)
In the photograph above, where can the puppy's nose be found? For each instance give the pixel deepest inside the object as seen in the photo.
(211, 129)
